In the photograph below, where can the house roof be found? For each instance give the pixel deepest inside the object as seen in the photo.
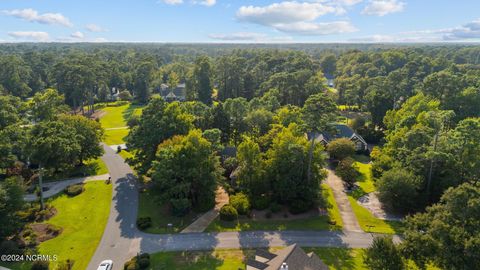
(339, 131)
(293, 256)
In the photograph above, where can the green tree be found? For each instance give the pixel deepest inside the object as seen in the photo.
(341, 148)
(329, 64)
(287, 115)
(47, 105)
(143, 78)
(347, 171)
(89, 135)
(318, 112)
(202, 79)
(448, 233)
(399, 189)
(9, 111)
(11, 201)
(187, 169)
(173, 80)
(259, 121)
(250, 170)
(383, 254)
(159, 121)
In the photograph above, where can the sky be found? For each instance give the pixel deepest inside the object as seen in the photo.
(240, 21)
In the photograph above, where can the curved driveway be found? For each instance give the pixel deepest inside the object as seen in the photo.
(121, 239)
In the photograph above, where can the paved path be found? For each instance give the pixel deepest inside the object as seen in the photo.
(121, 239)
(350, 222)
(203, 221)
(58, 186)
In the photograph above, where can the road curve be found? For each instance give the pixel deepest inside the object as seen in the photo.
(121, 240)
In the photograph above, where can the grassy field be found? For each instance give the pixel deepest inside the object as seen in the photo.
(313, 223)
(83, 219)
(149, 206)
(226, 259)
(117, 117)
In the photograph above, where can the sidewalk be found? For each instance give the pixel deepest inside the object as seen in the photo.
(58, 186)
(202, 222)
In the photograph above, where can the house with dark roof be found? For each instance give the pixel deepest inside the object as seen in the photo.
(176, 94)
(340, 131)
(290, 258)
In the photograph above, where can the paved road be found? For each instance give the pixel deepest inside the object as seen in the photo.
(121, 239)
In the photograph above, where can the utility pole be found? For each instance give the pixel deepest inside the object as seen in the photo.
(432, 163)
(40, 176)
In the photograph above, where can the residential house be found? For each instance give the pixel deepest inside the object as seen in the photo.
(341, 131)
(176, 94)
(290, 258)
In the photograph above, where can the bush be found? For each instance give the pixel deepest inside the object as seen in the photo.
(383, 254)
(275, 207)
(74, 190)
(228, 213)
(144, 222)
(300, 206)
(65, 265)
(125, 96)
(241, 203)
(40, 265)
(139, 262)
(260, 202)
(341, 148)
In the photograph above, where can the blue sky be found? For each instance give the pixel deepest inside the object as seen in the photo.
(240, 21)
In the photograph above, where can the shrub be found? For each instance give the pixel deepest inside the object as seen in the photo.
(397, 189)
(65, 265)
(383, 254)
(275, 207)
(228, 213)
(40, 265)
(125, 96)
(241, 203)
(341, 148)
(74, 190)
(260, 202)
(300, 206)
(144, 222)
(138, 262)
(134, 120)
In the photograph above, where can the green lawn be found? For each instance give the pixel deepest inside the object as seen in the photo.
(364, 180)
(150, 206)
(125, 154)
(340, 258)
(223, 259)
(83, 219)
(117, 117)
(115, 137)
(227, 259)
(369, 223)
(313, 223)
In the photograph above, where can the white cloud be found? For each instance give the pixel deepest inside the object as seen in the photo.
(383, 7)
(77, 35)
(249, 37)
(207, 3)
(100, 40)
(95, 28)
(321, 28)
(33, 16)
(173, 2)
(284, 12)
(298, 17)
(467, 31)
(30, 35)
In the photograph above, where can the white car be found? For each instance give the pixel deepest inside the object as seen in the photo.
(105, 265)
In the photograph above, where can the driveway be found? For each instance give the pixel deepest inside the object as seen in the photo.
(121, 239)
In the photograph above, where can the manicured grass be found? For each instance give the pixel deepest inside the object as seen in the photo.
(222, 259)
(340, 258)
(125, 154)
(347, 107)
(313, 223)
(117, 116)
(150, 206)
(369, 223)
(115, 137)
(83, 219)
(365, 180)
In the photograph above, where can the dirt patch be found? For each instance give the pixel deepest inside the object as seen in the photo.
(37, 233)
(97, 114)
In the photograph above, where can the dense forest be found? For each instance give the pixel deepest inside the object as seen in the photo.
(418, 107)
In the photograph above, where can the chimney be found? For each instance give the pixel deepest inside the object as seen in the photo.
(284, 266)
